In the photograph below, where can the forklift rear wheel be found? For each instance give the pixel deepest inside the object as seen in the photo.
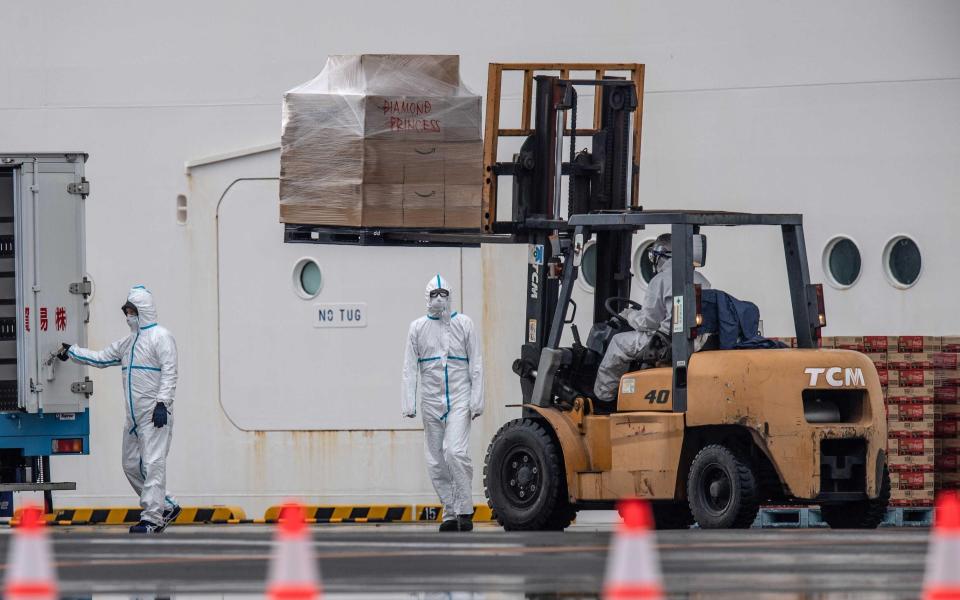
(671, 515)
(525, 479)
(866, 514)
(722, 489)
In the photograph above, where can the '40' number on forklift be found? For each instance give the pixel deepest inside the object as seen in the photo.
(658, 396)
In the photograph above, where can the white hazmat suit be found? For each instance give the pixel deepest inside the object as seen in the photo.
(443, 354)
(656, 313)
(148, 361)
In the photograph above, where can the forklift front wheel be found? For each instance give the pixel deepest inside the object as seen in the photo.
(525, 480)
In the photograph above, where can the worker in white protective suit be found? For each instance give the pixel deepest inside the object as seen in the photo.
(655, 314)
(148, 361)
(443, 354)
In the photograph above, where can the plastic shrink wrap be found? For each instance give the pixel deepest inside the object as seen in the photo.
(382, 141)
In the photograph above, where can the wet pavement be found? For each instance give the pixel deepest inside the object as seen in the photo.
(414, 561)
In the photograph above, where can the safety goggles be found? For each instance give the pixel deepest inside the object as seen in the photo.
(439, 292)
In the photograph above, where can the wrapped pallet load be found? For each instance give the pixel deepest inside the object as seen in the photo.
(382, 140)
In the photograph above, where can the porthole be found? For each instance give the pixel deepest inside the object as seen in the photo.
(842, 262)
(307, 278)
(588, 267)
(642, 267)
(902, 261)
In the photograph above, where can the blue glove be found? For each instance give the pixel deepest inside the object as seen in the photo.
(159, 415)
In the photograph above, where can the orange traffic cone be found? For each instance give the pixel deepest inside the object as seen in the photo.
(942, 578)
(633, 566)
(293, 570)
(30, 571)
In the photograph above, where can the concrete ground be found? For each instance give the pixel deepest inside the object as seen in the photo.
(414, 561)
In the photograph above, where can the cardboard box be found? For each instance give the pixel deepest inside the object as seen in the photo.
(950, 343)
(879, 359)
(947, 481)
(848, 343)
(909, 360)
(944, 428)
(880, 343)
(402, 121)
(912, 411)
(948, 445)
(884, 376)
(911, 480)
(946, 377)
(947, 463)
(946, 360)
(911, 462)
(919, 343)
(366, 205)
(423, 204)
(462, 206)
(949, 412)
(947, 394)
(897, 427)
(910, 394)
(911, 378)
(912, 446)
(914, 497)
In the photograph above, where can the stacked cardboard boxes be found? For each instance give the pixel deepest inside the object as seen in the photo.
(382, 140)
(946, 390)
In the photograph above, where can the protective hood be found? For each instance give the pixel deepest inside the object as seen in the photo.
(438, 308)
(141, 297)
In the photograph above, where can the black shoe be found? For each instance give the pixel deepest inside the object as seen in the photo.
(450, 525)
(170, 515)
(465, 522)
(146, 527)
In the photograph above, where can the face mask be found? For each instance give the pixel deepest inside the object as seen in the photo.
(438, 305)
(133, 321)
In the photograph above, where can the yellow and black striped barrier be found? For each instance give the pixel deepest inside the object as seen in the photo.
(376, 513)
(339, 513)
(128, 516)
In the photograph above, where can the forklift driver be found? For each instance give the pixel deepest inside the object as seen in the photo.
(655, 314)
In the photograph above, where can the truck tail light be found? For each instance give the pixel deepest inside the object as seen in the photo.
(68, 446)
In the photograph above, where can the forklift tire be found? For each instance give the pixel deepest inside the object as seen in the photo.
(525, 480)
(722, 489)
(671, 515)
(866, 514)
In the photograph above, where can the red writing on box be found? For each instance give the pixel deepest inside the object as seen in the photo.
(403, 115)
(406, 107)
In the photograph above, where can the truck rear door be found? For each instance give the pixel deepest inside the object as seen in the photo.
(49, 246)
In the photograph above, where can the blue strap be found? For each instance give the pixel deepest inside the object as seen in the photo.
(151, 325)
(423, 360)
(433, 318)
(144, 368)
(463, 358)
(438, 281)
(133, 414)
(446, 390)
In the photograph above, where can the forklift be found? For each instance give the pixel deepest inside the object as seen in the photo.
(706, 436)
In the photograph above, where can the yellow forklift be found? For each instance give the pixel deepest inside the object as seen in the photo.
(707, 436)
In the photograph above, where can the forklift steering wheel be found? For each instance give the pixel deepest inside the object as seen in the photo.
(615, 301)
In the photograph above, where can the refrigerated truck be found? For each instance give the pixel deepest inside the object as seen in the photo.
(44, 403)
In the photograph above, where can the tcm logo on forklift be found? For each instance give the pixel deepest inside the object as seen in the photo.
(832, 375)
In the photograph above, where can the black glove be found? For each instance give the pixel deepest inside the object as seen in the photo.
(62, 354)
(159, 415)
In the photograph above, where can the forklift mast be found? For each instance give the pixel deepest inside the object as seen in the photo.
(596, 182)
